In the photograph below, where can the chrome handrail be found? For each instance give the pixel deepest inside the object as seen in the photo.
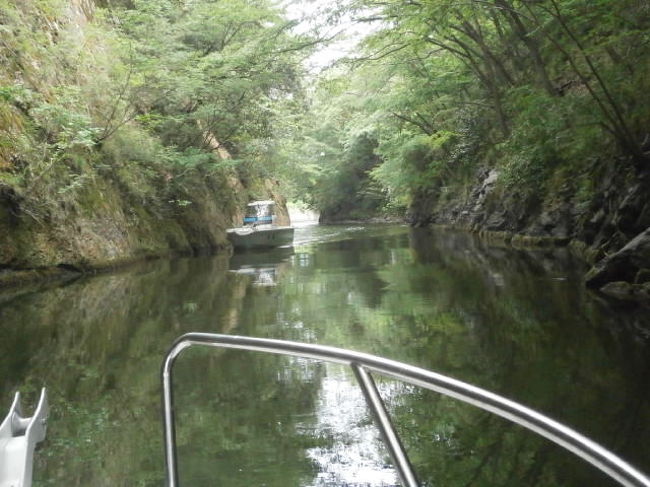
(363, 364)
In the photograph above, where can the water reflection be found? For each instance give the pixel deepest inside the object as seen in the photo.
(516, 322)
(353, 456)
(264, 267)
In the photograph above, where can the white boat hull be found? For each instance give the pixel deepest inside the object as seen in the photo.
(260, 237)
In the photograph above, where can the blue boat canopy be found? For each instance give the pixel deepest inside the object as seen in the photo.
(260, 212)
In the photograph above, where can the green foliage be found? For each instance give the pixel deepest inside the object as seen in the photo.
(15, 94)
(220, 68)
(439, 87)
(347, 192)
(146, 93)
(63, 122)
(535, 88)
(414, 162)
(565, 134)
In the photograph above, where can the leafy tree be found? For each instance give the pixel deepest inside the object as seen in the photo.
(534, 88)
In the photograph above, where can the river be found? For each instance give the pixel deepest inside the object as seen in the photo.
(516, 322)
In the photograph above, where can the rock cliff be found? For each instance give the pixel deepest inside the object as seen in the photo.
(609, 229)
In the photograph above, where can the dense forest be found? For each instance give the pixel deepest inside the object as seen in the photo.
(133, 128)
(548, 95)
(139, 126)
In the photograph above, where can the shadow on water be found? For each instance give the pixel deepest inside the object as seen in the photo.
(528, 330)
(97, 344)
(519, 323)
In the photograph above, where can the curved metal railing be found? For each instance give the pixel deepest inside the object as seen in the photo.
(363, 365)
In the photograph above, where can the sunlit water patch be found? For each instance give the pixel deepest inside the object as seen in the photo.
(355, 457)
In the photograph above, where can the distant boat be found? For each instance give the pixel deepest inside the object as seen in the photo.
(259, 229)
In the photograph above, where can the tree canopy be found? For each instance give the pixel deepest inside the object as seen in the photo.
(445, 87)
(436, 91)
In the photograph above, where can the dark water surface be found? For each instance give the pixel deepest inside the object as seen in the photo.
(518, 323)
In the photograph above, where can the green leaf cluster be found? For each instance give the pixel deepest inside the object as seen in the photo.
(449, 88)
(142, 90)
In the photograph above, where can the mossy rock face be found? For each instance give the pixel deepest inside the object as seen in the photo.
(619, 289)
(626, 291)
(105, 226)
(100, 229)
(96, 203)
(610, 210)
(645, 291)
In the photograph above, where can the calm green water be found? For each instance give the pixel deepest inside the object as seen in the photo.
(518, 323)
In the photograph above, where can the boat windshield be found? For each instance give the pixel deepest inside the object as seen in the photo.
(259, 213)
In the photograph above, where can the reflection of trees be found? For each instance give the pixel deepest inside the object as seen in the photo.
(97, 345)
(499, 320)
(242, 422)
(515, 322)
(490, 316)
(457, 445)
(333, 288)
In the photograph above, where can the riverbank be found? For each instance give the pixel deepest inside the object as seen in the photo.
(609, 228)
(107, 228)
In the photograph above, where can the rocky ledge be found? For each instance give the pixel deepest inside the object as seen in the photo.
(626, 273)
(610, 229)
